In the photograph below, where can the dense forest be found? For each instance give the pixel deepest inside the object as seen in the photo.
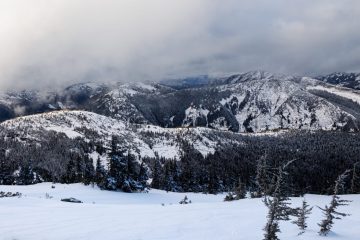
(318, 158)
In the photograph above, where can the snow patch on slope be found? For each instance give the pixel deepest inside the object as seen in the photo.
(346, 93)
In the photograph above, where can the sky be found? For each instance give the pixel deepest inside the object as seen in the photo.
(53, 43)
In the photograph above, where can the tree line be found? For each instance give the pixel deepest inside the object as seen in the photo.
(320, 158)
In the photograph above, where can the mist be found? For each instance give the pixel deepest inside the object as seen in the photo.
(54, 43)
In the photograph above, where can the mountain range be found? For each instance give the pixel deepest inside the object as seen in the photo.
(249, 102)
(190, 135)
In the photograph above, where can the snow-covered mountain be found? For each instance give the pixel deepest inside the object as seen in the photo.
(349, 80)
(140, 140)
(249, 102)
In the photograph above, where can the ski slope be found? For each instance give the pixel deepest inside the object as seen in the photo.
(156, 215)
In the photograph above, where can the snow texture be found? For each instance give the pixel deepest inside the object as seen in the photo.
(39, 214)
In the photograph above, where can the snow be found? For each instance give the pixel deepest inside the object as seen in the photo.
(103, 159)
(164, 142)
(133, 216)
(346, 93)
(269, 101)
(192, 113)
(68, 132)
(61, 105)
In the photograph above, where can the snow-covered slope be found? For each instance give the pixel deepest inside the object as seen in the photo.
(268, 104)
(349, 80)
(252, 102)
(152, 216)
(118, 103)
(142, 140)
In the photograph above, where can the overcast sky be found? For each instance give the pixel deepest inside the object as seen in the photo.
(58, 42)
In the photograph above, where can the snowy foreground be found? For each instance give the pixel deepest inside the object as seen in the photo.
(114, 215)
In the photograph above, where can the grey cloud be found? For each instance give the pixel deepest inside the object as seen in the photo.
(49, 43)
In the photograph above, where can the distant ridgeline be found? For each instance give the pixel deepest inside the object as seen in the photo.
(249, 102)
(197, 134)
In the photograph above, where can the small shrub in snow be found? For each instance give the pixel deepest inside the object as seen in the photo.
(185, 200)
(9, 194)
(302, 214)
(48, 196)
(229, 197)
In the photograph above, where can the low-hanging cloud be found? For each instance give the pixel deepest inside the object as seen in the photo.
(49, 43)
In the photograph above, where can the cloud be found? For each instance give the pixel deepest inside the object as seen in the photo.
(51, 43)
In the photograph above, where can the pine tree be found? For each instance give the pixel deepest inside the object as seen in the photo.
(26, 174)
(130, 173)
(89, 171)
(117, 168)
(213, 179)
(302, 214)
(156, 175)
(355, 180)
(100, 174)
(278, 205)
(71, 173)
(238, 193)
(330, 212)
(170, 179)
(261, 179)
(142, 178)
(240, 190)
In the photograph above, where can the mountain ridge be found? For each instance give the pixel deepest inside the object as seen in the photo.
(255, 101)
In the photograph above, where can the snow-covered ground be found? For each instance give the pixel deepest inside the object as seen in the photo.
(156, 215)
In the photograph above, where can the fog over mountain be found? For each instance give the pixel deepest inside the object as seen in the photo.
(51, 43)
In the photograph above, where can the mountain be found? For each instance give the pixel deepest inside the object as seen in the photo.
(140, 140)
(252, 105)
(255, 101)
(348, 80)
(189, 82)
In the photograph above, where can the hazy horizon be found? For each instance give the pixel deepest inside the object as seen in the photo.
(53, 43)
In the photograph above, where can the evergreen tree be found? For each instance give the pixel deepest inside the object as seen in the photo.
(26, 175)
(278, 206)
(261, 178)
(355, 180)
(89, 171)
(214, 181)
(71, 173)
(238, 193)
(117, 168)
(302, 214)
(156, 174)
(142, 178)
(125, 172)
(170, 180)
(100, 174)
(240, 190)
(330, 212)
